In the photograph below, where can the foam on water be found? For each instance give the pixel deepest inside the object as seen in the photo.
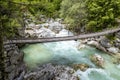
(94, 74)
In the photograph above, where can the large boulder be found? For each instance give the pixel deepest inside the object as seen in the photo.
(98, 60)
(14, 64)
(44, 32)
(56, 27)
(105, 43)
(97, 45)
(113, 50)
(82, 67)
(50, 72)
(81, 46)
(93, 43)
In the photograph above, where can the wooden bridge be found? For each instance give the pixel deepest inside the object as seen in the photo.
(55, 39)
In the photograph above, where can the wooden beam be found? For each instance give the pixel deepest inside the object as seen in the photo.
(55, 39)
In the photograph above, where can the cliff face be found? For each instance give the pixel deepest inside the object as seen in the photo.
(14, 65)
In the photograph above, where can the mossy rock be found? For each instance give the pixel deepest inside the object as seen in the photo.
(82, 67)
(97, 60)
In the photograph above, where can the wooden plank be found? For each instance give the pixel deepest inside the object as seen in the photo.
(55, 39)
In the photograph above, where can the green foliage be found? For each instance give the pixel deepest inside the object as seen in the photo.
(111, 37)
(74, 12)
(12, 12)
(44, 7)
(9, 18)
(103, 13)
(93, 14)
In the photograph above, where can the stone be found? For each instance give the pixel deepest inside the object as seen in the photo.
(44, 32)
(117, 44)
(82, 67)
(101, 48)
(50, 72)
(98, 60)
(55, 26)
(13, 63)
(9, 68)
(21, 76)
(84, 41)
(118, 34)
(14, 58)
(97, 45)
(118, 40)
(11, 75)
(113, 50)
(31, 25)
(93, 43)
(105, 43)
(81, 46)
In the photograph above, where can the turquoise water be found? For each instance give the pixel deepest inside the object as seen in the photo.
(66, 53)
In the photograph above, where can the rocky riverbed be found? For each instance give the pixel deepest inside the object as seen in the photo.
(103, 43)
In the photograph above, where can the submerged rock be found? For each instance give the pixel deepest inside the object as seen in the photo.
(117, 59)
(98, 60)
(81, 46)
(82, 67)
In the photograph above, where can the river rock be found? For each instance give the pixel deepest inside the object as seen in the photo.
(82, 67)
(105, 43)
(93, 43)
(44, 32)
(118, 40)
(9, 68)
(113, 50)
(118, 34)
(97, 45)
(98, 60)
(84, 41)
(81, 46)
(117, 45)
(50, 72)
(13, 62)
(11, 75)
(56, 27)
(31, 25)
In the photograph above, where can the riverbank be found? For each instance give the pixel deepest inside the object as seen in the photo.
(104, 43)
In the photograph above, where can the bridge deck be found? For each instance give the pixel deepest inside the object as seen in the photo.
(54, 39)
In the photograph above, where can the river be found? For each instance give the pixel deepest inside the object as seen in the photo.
(66, 53)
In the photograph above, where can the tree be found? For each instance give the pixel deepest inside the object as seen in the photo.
(11, 17)
(93, 15)
(102, 14)
(8, 22)
(74, 13)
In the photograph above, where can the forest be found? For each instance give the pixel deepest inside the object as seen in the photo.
(93, 15)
